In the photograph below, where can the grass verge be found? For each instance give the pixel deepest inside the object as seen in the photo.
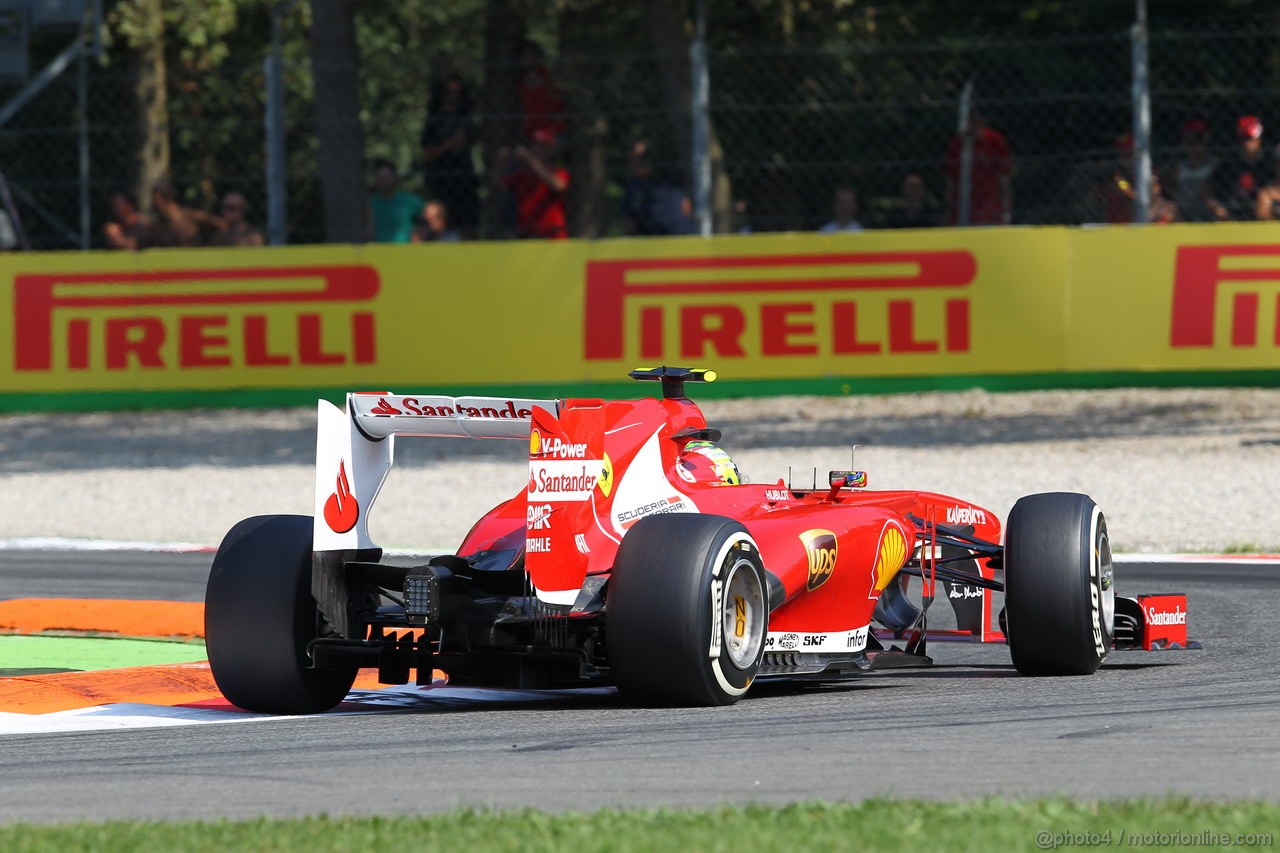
(881, 825)
(21, 653)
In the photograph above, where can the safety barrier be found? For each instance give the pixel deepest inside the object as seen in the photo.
(850, 313)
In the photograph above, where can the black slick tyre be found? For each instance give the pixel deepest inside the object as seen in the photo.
(1059, 585)
(687, 610)
(259, 617)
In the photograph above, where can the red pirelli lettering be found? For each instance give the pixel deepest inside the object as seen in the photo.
(200, 345)
(708, 329)
(785, 328)
(844, 331)
(1198, 276)
(201, 332)
(134, 339)
(957, 325)
(902, 323)
(257, 352)
(78, 344)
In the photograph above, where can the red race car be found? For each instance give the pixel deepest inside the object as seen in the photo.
(636, 556)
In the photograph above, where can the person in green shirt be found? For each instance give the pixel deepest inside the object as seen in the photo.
(394, 211)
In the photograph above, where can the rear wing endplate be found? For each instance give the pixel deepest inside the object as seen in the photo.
(355, 449)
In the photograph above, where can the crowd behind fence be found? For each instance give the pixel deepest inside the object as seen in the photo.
(981, 131)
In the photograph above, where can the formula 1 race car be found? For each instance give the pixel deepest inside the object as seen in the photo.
(635, 556)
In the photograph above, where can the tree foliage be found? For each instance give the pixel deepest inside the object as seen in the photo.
(805, 92)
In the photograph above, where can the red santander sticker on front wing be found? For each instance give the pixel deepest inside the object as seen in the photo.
(1164, 620)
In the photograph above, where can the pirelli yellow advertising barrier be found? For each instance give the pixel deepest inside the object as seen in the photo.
(876, 311)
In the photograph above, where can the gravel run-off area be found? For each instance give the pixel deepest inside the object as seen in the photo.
(1176, 470)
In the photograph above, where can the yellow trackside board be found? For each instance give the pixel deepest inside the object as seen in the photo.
(935, 303)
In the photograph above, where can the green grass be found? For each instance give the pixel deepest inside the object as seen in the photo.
(880, 825)
(1244, 548)
(23, 653)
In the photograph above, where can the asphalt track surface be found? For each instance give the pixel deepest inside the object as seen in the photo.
(1201, 723)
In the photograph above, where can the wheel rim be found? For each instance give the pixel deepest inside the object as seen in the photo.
(1107, 580)
(743, 614)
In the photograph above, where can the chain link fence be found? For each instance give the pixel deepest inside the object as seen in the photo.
(1051, 121)
(1043, 112)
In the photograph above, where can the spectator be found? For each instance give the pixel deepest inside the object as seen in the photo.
(990, 185)
(1268, 207)
(541, 104)
(539, 186)
(127, 228)
(393, 209)
(447, 138)
(1238, 178)
(236, 231)
(844, 204)
(676, 212)
(435, 225)
(913, 209)
(741, 222)
(1163, 209)
(1188, 180)
(1117, 190)
(651, 202)
(643, 194)
(1114, 190)
(174, 224)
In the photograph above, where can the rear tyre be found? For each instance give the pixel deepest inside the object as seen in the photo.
(259, 617)
(687, 611)
(1059, 585)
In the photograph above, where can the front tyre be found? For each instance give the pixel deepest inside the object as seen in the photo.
(687, 611)
(259, 616)
(1059, 585)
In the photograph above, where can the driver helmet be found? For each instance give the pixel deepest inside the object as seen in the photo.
(704, 462)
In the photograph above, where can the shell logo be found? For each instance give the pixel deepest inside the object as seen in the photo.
(535, 442)
(892, 556)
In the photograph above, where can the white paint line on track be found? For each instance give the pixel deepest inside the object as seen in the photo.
(1225, 559)
(54, 543)
(121, 715)
(132, 715)
(57, 543)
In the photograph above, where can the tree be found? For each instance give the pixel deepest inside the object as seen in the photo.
(804, 93)
(142, 24)
(505, 30)
(335, 64)
(669, 30)
(587, 141)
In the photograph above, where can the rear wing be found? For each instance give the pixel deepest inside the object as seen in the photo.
(355, 449)
(383, 415)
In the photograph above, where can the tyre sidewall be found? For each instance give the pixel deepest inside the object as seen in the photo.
(1057, 559)
(664, 599)
(260, 617)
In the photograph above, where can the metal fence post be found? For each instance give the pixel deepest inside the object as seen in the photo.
(1141, 115)
(277, 188)
(964, 196)
(91, 32)
(82, 132)
(700, 105)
